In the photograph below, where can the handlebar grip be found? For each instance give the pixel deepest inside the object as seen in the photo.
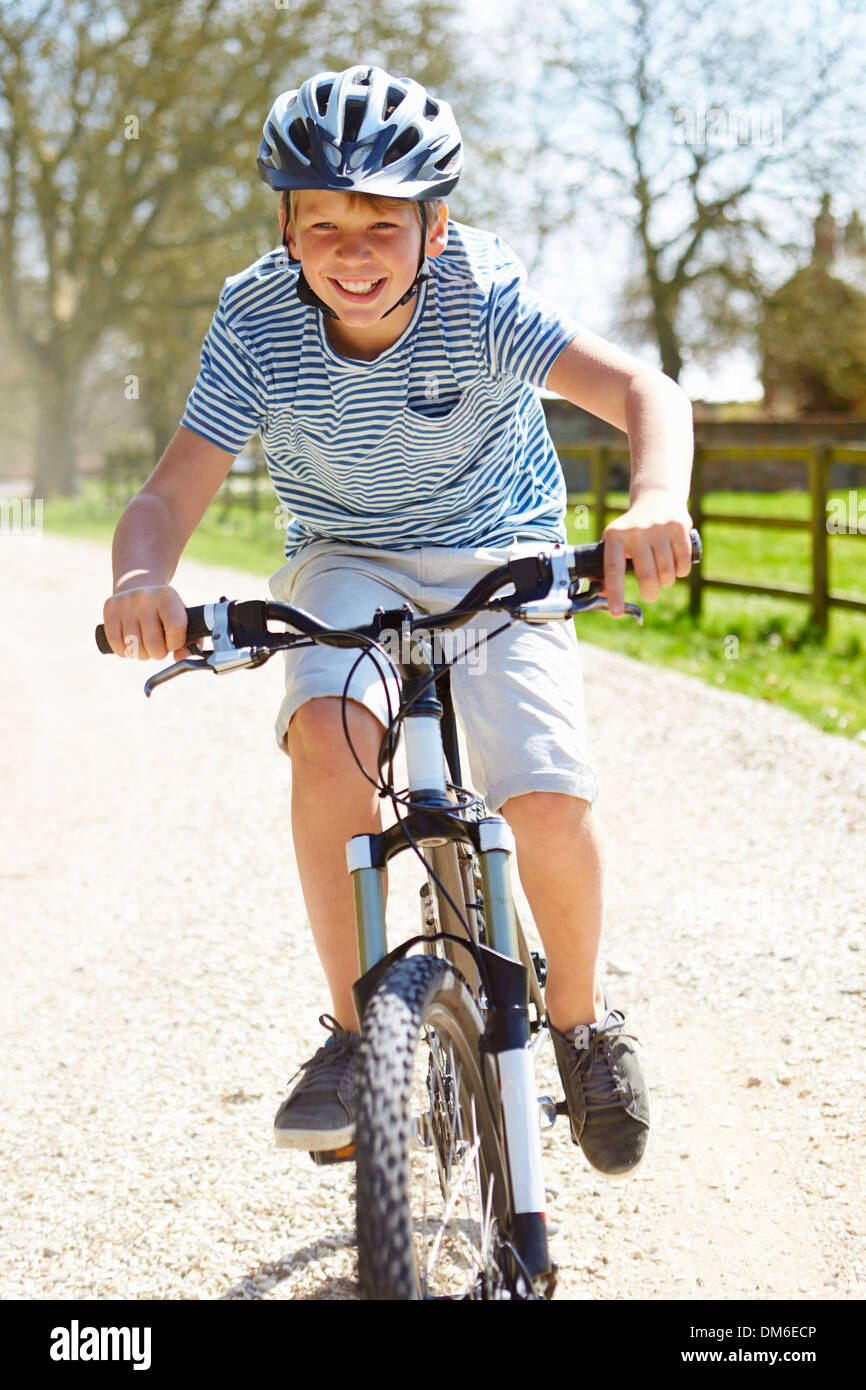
(196, 627)
(589, 559)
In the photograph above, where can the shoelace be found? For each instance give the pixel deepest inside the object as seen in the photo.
(602, 1089)
(337, 1054)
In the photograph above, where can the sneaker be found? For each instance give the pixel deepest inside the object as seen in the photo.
(608, 1100)
(319, 1113)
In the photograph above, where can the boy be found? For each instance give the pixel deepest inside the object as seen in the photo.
(391, 367)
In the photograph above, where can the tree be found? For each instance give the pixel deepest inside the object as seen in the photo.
(812, 331)
(128, 136)
(703, 128)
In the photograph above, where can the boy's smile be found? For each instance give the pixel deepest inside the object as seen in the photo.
(360, 259)
(358, 291)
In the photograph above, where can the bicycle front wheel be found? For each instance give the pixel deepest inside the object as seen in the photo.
(433, 1198)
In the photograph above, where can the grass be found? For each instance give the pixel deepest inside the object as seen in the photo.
(243, 540)
(760, 646)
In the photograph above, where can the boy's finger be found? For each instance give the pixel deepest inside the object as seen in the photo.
(682, 547)
(664, 562)
(614, 573)
(643, 560)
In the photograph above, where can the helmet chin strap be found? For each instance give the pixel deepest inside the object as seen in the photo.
(309, 297)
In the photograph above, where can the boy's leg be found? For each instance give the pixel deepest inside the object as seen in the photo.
(560, 862)
(559, 858)
(521, 705)
(331, 802)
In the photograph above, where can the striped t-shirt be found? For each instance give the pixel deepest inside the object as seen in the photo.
(441, 440)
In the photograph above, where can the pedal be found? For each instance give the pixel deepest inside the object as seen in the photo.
(547, 1113)
(324, 1157)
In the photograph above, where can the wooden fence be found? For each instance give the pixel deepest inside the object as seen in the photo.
(817, 457)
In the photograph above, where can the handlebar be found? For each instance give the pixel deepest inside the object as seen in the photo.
(535, 578)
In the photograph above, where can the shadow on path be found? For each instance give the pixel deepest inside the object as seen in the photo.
(259, 1282)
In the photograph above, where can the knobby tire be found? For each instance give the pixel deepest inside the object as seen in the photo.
(428, 1144)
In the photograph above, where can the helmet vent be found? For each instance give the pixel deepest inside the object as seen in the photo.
(431, 109)
(446, 162)
(353, 118)
(406, 141)
(300, 137)
(392, 101)
(323, 94)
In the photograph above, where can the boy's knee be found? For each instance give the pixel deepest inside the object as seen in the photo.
(316, 735)
(547, 812)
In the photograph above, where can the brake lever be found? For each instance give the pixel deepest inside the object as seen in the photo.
(594, 599)
(224, 657)
(198, 662)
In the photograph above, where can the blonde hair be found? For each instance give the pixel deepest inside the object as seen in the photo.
(374, 200)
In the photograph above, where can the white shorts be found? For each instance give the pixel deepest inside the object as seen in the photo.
(518, 697)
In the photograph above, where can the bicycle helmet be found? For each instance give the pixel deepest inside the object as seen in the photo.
(362, 131)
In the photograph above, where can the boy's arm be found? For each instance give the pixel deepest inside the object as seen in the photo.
(656, 414)
(144, 615)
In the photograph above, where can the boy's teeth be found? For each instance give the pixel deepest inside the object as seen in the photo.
(357, 286)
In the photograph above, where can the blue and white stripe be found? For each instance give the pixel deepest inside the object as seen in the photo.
(441, 440)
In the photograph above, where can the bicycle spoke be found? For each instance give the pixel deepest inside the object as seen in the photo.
(455, 1227)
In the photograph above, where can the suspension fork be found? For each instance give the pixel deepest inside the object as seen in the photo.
(507, 1055)
(507, 1044)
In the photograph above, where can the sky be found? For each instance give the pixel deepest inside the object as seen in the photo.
(585, 281)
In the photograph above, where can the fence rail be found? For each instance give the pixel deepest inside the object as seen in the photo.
(818, 458)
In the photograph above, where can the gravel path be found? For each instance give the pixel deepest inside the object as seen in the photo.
(159, 984)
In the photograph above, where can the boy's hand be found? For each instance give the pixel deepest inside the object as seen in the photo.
(654, 534)
(146, 622)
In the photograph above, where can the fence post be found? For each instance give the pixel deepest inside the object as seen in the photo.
(696, 508)
(819, 478)
(598, 484)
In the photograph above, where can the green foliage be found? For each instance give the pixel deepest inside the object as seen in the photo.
(759, 646)
(813, 343)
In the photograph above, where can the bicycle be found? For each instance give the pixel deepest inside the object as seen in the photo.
(450, 1190)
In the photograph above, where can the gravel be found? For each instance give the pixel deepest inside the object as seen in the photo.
(160, 984)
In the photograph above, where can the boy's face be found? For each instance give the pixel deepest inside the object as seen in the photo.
(361, 259)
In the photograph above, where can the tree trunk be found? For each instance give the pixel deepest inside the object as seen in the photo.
(54, 473)
(162, 423)
(672, 362)
(666, 337)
